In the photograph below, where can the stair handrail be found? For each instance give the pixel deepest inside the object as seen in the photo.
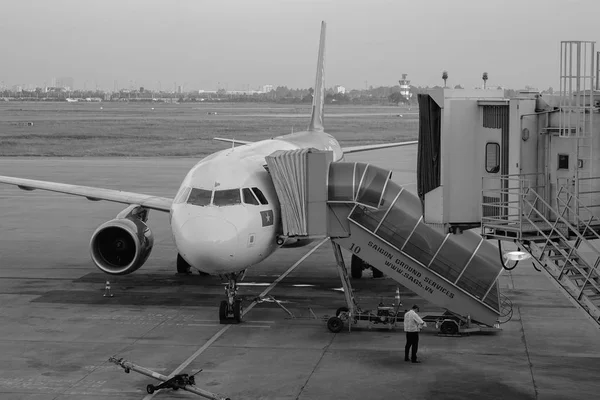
(561, 218)
(560, 250)
(579, 204)
(553, 225)
(548, 240)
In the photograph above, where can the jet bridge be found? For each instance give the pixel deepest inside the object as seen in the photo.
(361, 209)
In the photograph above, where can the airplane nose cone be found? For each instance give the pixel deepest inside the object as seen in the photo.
(207, 242)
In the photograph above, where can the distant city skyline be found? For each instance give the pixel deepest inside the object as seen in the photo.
(239, 44)
(68, 84)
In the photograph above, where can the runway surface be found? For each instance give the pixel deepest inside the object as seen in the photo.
(58, 330)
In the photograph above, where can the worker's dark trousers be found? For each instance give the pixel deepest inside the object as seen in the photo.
(412, 340)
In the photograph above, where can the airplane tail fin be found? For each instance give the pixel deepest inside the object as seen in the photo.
(316, 118)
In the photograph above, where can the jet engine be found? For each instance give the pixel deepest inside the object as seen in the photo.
(122, 245)
(287, 243)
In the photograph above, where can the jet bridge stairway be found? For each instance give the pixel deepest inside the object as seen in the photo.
(361, 209)
(561, 243)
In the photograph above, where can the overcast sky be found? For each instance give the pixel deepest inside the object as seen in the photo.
(200, 43)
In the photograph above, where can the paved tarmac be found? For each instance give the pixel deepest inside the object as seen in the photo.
(58, 330)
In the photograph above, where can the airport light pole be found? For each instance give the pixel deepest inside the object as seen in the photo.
(485, 78)
(445, 77)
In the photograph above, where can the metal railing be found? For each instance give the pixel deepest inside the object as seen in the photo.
(578, 221)
(565, 238)
(594, 189)
(587, 194)
(507, 194)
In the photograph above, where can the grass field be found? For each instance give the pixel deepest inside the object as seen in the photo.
(133, 129)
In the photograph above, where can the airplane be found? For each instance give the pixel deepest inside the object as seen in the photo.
(224, 218)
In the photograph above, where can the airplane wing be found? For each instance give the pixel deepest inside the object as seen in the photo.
(234, 141)
(345, 150)
(367, 147)
(92, 193)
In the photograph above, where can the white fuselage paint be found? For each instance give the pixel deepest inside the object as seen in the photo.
(227, 239)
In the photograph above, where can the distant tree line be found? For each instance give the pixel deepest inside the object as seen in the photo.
(382, 95)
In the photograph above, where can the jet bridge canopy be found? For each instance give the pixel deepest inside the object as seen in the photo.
(359, 183)
(302, 200)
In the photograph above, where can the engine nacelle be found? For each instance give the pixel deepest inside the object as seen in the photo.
(122, 245)
(287, 243)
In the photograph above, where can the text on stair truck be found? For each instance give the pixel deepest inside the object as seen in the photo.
(410, 273)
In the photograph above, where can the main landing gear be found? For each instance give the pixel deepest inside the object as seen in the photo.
(231, 310)
(184, 268)
(357, 265)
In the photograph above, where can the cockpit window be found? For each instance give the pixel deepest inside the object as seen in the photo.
(261, 197)
(199, 197)
(248, 197)
(227, 197)
(182, 195)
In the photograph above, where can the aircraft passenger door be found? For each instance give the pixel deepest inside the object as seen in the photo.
(496, 162)
(560, 166)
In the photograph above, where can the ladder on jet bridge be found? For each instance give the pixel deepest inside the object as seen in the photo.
(555, 238)
(381, 222)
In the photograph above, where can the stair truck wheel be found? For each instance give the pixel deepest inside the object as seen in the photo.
(356, 267)
(150, 389)
(335, 324)
(449, 327)
(377, 273)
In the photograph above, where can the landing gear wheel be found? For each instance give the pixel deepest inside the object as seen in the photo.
(449, 328)
(341, 310)
(237, 310)
(230, 310)
(182, 266)
(150, 389)
(377, 273)
(335, 324)
(356, 267)
(223, 311)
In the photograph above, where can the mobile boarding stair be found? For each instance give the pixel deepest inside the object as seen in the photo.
(361, 209)
(562, 240)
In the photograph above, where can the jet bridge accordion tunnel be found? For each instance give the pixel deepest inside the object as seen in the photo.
(359, 207)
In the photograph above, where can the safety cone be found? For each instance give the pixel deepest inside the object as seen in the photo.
(398, 301)
(107, 292)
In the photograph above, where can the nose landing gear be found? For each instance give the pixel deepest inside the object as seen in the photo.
(231, 310)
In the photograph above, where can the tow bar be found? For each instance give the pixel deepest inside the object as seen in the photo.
(179, 381)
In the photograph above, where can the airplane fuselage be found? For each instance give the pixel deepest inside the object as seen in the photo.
(226, 214)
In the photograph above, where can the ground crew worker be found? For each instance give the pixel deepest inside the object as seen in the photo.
(412, 325)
